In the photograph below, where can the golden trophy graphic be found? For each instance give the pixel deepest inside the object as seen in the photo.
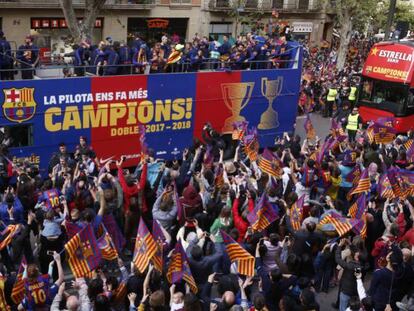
(236, 96)
(270, 89)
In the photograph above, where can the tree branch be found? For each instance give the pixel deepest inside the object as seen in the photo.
(70, 16)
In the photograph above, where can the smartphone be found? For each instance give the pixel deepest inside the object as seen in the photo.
(50, 253)
(218, 276)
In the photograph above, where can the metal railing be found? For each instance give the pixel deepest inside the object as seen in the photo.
(69, 71)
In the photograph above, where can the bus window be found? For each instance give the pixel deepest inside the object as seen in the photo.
(17, 135)
(367, 90)
(410, 99)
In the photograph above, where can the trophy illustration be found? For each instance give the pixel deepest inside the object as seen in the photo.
(236, 96)
(270, 89)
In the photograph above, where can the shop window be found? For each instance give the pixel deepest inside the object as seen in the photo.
(18, 135)
(303, 4)
(217, 31)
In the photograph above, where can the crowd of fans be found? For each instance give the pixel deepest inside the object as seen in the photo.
(292, 264)
(170, 55)
(214, 187)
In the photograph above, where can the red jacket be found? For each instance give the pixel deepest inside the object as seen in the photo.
(240, 224)
(409, 237)
(130, 191)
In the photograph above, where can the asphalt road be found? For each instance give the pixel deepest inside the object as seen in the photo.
(321, 125)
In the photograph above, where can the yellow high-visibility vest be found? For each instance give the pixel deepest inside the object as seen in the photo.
(352, 94)
(331, 95)
(352, 122)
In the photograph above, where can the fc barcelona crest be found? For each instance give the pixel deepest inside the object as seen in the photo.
(19, 104)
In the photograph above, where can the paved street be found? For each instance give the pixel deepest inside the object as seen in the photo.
(321, 125)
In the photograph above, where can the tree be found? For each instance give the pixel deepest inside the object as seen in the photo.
(81, 30)
(404, 12)
(350, 13)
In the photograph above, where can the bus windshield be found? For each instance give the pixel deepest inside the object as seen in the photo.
(384, 95)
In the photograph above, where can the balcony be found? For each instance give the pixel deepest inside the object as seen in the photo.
(282, 6)
(78, 4)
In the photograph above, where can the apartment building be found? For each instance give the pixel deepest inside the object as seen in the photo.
(121, 18)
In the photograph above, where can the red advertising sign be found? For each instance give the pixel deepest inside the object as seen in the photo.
(158, 23)
(54, 23)
(62, 23)
(391, 62)
(47, 23)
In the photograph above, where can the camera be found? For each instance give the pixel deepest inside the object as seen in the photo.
(358, 270)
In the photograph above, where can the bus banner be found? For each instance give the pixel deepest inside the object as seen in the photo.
(172, 107)
(390, 62)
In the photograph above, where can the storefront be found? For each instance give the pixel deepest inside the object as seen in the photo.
(152, 29)
(53, 38)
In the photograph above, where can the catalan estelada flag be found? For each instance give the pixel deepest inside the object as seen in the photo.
(309, 129)
(364, 184)
(270, 163)
(107, 247)
(7, 235)
(245, 262)
(179, 269)
(296, 213)
(358, 208)
(159, 237)
(262, 215)
(83, 252)
(18, 291)
(145, 247)
(341, 224)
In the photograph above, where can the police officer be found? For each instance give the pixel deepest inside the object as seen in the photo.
(352, 95)
(6, 60)
(330, 100)
(354, 124)
(28, 56)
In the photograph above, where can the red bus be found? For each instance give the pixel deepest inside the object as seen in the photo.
(387, 85)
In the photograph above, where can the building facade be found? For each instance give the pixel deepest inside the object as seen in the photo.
(119, 19)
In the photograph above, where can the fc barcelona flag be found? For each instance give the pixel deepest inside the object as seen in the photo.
(7, 235)
(358, 208)
(262, 215)
(354, 175)
(296, 213)
(245, 261)
(270, 163)
(342, 224)
(83, 253)
(107, 247)
(113, 230)
(159, 237)
(309, 129)
(72, 229)
(18, 291)
(359, 226)
(364, 184)
(251, 144)
(384, 187)
(239, 128)
(145, 247)
(179, 268)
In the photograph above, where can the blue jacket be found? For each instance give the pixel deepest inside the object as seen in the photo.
(29, 59)
(18, 213)
(112, 59)
(5, 53)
